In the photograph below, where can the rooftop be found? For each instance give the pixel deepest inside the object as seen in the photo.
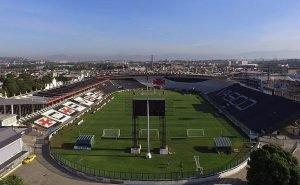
(6, 116)
(6, 135)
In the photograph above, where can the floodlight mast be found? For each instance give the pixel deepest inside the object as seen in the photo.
(148, 155)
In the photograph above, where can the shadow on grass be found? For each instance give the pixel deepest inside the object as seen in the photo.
(204, 149)
(181, 108)
(186, 119)
(70, 146)
(177, 100)
(202, 108)
(120, 138)
(67, 145)
(125, 150)
(232, 137)
(104, 155)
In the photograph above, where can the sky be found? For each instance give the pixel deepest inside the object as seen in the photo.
(187, 29)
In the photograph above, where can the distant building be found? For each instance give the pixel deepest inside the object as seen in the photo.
(242, 62)
(8, 120)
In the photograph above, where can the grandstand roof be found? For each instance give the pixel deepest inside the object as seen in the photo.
(222, 142)
(149, 98)
(84, 140)
(8, 135)
(53, 95)
(23, 100)
(70, 90)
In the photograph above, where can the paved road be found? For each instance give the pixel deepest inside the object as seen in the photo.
(36, 173)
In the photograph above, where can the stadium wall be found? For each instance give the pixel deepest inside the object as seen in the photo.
(10, 150)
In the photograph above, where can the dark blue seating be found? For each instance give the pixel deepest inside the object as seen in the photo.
(265, 114)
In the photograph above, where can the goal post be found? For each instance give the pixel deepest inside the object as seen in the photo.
(111, 133)
(154, 133)
(195, 132)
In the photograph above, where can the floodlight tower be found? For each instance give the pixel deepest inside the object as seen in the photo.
(151, 62)
(148, 155)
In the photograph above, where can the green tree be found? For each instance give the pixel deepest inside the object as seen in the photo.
(46, 79)
(271, 165)
(12, 180)
(11, 86)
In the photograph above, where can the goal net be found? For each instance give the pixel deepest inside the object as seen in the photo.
(111, 133)
(154, 133)
(195, 132)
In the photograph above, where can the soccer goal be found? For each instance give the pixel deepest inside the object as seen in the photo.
(154, 133)
(195, 132)
(111, 133)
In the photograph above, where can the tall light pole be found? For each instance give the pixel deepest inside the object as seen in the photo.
(148, 155)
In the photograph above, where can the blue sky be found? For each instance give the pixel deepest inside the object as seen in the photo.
(165, 28)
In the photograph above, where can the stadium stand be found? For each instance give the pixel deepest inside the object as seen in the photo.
(108, 87)
(117, 84)
(213, 85)
(205, 86)
(185, 79)
(128, 83)
(259, 112)
(70, 90)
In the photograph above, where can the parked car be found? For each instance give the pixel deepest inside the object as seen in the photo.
(29, 159)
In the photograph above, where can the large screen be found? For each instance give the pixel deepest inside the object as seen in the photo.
(156, 107)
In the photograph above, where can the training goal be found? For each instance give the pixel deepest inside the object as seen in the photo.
(154, 133)
(111, 133)
(195, 132)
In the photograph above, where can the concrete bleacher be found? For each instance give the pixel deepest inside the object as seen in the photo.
(260, 112)
(203, 85)
(128, 83)
(108, 87)
(118, 84)
(209, 86)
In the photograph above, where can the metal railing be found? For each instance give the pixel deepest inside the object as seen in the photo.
(176, 175)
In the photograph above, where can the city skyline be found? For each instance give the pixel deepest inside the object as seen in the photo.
(135, 29)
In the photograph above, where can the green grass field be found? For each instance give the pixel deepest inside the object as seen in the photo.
(183, 111)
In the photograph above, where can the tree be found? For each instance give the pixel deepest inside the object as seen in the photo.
(46, 79)
(271, 165)
(12, 180)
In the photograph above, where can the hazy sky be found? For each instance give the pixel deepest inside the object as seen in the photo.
(195, 28)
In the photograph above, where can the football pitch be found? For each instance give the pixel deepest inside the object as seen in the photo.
(183, 111)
